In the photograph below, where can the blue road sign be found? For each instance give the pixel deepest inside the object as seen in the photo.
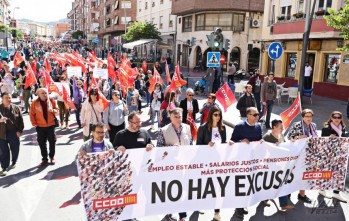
(213, 59)
(275, 50)
(95, 40)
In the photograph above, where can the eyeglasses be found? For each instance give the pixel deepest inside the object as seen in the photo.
(337, 117)
(100, 132)
(255, 115)
(191, 95)
(139, 122)
(217, 115)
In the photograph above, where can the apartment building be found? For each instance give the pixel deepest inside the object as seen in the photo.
(284, 21)
(240, 20)
(5, 13)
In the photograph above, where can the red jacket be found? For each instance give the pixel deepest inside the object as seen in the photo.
(37, 115)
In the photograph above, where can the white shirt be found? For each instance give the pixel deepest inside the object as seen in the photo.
(190, 105)
(307, 71)
(216, 136)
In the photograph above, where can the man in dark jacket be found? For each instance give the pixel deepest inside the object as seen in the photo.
(189, 105)
(245, 101)
(256, 82)
(11, 129)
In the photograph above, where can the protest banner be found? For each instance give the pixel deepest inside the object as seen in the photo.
(74, 71)
(99, 72)
(291, 113)
(60, 86)
(166, 180)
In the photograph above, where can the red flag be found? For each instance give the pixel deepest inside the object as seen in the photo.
(111, 61)
(33, 65)
(177, 81)
(168, 77)
(47, 65)
(290, 113)
(192, 124)
(156, 78)
(17, 59)
(225, 96)
(144, 66)
(103, 102)
(30, 78)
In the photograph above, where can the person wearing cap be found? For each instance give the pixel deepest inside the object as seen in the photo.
(268, 96)
(114, 115)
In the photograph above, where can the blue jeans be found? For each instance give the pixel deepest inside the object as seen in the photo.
(10, 144)
(77, 113)
(148, 97)
(269, 107)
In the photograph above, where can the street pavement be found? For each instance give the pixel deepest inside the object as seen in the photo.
(53, 192)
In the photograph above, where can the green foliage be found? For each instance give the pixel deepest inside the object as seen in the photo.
(2, 27)
(142, 30)
(77, 33)
(340, 21)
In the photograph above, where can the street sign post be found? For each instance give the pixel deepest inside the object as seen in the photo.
(275, 50)
(95, 40)
(213, 59)
(223, 59)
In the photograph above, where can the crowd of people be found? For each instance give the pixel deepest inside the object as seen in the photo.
(122, 115)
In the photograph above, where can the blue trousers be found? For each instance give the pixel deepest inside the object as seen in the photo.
(11, 144)
(269, 108)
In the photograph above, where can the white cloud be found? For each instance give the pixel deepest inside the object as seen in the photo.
(41, 10)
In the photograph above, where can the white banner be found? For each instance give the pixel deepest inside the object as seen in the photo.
(100, 73)
(60, 86)
(190, 178)
(74, 71)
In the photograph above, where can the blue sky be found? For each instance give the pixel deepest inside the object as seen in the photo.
(41, 10)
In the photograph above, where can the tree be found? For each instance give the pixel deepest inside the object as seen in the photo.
(340, 21)
(77, 33)
(142, 30)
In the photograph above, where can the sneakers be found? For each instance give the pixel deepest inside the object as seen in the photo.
(217, 217)
(324, 194)
(12, 166)
(338, 197)
(52, 161)
(304, 198)
(67, 126)
(3, 172)
(287, 207)
(62, 126)
(43, 163)
(239, 213)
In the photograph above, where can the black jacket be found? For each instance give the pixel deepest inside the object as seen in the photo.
(204, 136)
(327, 131)
(183, 105)
(242, 104)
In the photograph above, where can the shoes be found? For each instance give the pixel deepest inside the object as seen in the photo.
(339, 197)
(304, 198)
(287, 207)
(52, 161)
(239, 212)
(3, 172)
(266, 203)
(217, 217)
(67, 126)
(25, 112)
(324, 194)
(43, 163)
(12, 166)
(62, 126)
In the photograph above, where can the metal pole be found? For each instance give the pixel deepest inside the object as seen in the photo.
(125, 16)
(306, 34)
(6, 37)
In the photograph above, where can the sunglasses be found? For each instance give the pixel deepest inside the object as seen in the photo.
(216, 115)
(255, 115)
(191, 95)
(337, 117)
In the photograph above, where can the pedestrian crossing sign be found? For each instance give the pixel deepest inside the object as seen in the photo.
(213, 59)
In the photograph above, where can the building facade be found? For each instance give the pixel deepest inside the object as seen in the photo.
(60, 28)
(5, 13)
(284, 21)
(240, 20)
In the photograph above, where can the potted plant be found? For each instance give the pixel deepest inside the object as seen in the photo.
(298, 15)
(281, 18)
(321, 12)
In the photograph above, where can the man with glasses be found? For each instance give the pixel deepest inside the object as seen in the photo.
(246, 132)
(97, 143)
(189, 105)
(245, 101)
(133, 136)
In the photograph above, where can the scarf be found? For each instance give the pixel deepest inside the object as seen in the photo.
(337, 129)
(311, 131)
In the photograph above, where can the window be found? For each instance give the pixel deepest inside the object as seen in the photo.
(116, 5)
(161, 1)
(324, 4)
(153, 4)
(107, 10)
(160, 24)
(332, 62)
(238, 22)
(300, 6)
(146, 5)
(224, 20)
(291, 65)
(170, 24)
(126, 4)
(285, 13)
(108, 23)
(122, 20)
(200, 22)
(187, 24)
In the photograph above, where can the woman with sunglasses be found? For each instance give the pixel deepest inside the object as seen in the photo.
(91, 113)
(211, 99)
(334, 127)
(210, 133)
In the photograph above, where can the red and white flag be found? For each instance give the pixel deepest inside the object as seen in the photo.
(290, 113)
(177, 81)
(168, 77)
(225, 96)
(30, 79)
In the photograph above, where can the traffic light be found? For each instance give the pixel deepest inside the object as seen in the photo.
(193, 41)
(210, 39)
(188, 42)
(227, 44)
(218, 39)
(14, 33)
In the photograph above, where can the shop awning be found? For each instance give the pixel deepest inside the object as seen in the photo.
(131, 45)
